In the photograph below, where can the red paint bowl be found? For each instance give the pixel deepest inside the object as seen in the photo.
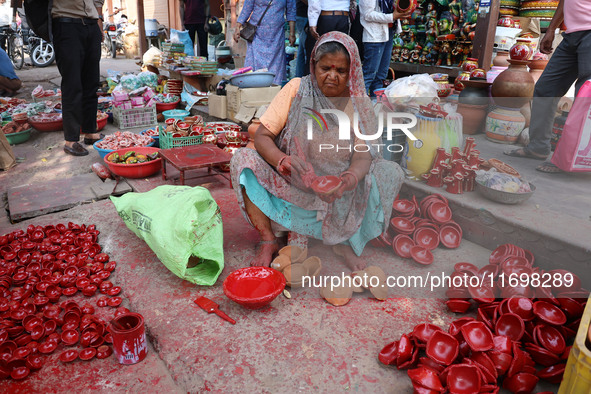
(510, 325)
(326, 185)
(478, 336)
(402, 245)
(463, 379)
(427, 238)
(549, 313)
(69, 356)
(550, 338)
(421, 255)
(254, 287)
(450, 237)
(442, 348)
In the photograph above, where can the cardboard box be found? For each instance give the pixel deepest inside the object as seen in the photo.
(253, 97)
(218, 106)
(247, 112)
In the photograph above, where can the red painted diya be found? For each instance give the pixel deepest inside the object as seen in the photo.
(69, 356)
(478, 336)
(87, 353)
(326, 185)
(421, 255)
(450, 237)
(442, 348)
(402, 245)
(427, 238)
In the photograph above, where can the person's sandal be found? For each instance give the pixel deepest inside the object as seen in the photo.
(75, 150)
(90, 141)
(548, 168)
(525, 154)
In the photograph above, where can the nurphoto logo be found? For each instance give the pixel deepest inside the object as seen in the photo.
(394, 121)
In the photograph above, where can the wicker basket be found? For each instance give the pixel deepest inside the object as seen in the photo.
(134, 117)
(168, 141)
(504, 197)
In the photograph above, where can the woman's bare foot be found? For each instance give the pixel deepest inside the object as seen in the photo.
(354, 262)
(265, 253)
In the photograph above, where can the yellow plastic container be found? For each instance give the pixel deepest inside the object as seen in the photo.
(577, 375)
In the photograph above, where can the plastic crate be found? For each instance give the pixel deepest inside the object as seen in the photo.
(134, 117)
(167, 141)
(577, 374)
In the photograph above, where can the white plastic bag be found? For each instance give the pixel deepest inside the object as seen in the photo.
(415, 90)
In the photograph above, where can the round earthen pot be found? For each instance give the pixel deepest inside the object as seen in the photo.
(502, 59)
(521, 50)
(504, 125)
(474, 93)
(458, 85)
(469, 64)
(472, 117)
(514, 87)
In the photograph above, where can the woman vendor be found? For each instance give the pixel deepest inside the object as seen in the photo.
(272, 183)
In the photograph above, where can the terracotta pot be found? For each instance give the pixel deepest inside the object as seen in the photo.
(478, 73)
(513, 87)
(469, 64)
(405, 6)
(521, 50)
(443, 85)
(474, 93)
(502, 59)
(506, 21)
(536, 68)
(472, 117)
(504, 125)
(458, 85)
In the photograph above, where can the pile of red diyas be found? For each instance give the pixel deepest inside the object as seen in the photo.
(513, 331)
(456, 170)
(37, 268)
(418, 228)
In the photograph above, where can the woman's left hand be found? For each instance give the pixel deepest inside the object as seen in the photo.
(292, 39)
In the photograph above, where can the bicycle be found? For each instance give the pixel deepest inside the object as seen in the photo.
(12, 42)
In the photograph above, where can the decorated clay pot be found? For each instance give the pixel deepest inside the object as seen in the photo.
(521, 50)
(478, 73)
(458, 85)
(504, 125)
(469, 64)
(513, 87)
(506, 21)
(472, 117)
(406, 6)
(443, 85)
(501, 60)
(474, 93)
(230, 148)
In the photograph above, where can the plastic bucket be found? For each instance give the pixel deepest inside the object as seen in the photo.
(129, 338)
(151, 27)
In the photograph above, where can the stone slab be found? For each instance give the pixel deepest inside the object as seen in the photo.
(107, 188)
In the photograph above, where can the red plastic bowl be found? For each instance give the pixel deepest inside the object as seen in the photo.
(254, 287)
(161, 107)
(138, 170)
(101, 122)
(55, 125)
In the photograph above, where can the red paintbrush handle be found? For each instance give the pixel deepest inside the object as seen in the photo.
(224, 316)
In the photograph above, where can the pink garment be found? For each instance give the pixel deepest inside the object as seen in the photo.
(577, 15)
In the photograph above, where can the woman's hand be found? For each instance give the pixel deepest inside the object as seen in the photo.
(292, 39)
(237, 32)
(397, 15)
(547, 41)
(288, 164)
(314, 32)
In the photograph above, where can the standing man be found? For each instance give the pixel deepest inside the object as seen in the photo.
(571, 62)
(325, 16)
(196, 14)
(301, 22)
(77, 27)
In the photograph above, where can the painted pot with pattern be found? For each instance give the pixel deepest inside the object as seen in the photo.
(458, 85)
(504, 125)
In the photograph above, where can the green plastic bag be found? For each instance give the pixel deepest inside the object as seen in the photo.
(182, 225)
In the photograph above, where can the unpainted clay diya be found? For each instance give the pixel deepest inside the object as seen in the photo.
(295, 253)
(281, 262)
(380, 291)
(338, 296)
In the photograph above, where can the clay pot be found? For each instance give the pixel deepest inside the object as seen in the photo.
(474, 93)
(536, 68)
(443, 85)
(502, 59)
(478, 73)
(406, 6)
(458, 85)
(472, 117)
(504, 125)
(521, 50)
(506, 21)
(514, 87)
(469, 64)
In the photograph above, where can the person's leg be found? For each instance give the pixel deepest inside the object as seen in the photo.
(301, 22)
(559, 75)
(202, 36)
(90, 81)
(354, 262)
(371, 60)
(384, 63)
(262, 224)
(68, 55)
(192, 29)
(10, 85)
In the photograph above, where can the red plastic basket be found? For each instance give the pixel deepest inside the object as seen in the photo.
(138, 170)
(101, 122)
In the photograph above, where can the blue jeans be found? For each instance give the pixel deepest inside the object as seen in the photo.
(570, 62)
(301, 63)
(376, 61)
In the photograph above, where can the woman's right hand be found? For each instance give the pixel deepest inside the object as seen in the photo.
(289, 164)
(237, 32)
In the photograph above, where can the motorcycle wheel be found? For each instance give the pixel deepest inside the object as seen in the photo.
(113, 49)
(43, 54)
(16, 53)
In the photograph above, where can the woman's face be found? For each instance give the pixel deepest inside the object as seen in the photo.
(332, 74)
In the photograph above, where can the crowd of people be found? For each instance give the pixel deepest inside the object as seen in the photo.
(370, 23)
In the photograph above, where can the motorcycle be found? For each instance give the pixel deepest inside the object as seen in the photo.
(41, 52)
(113, 37)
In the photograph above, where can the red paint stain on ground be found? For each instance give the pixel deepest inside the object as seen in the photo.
(369, 379)
(239, 370)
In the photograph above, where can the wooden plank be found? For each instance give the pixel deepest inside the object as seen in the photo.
(423, 68)
(484, 37)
